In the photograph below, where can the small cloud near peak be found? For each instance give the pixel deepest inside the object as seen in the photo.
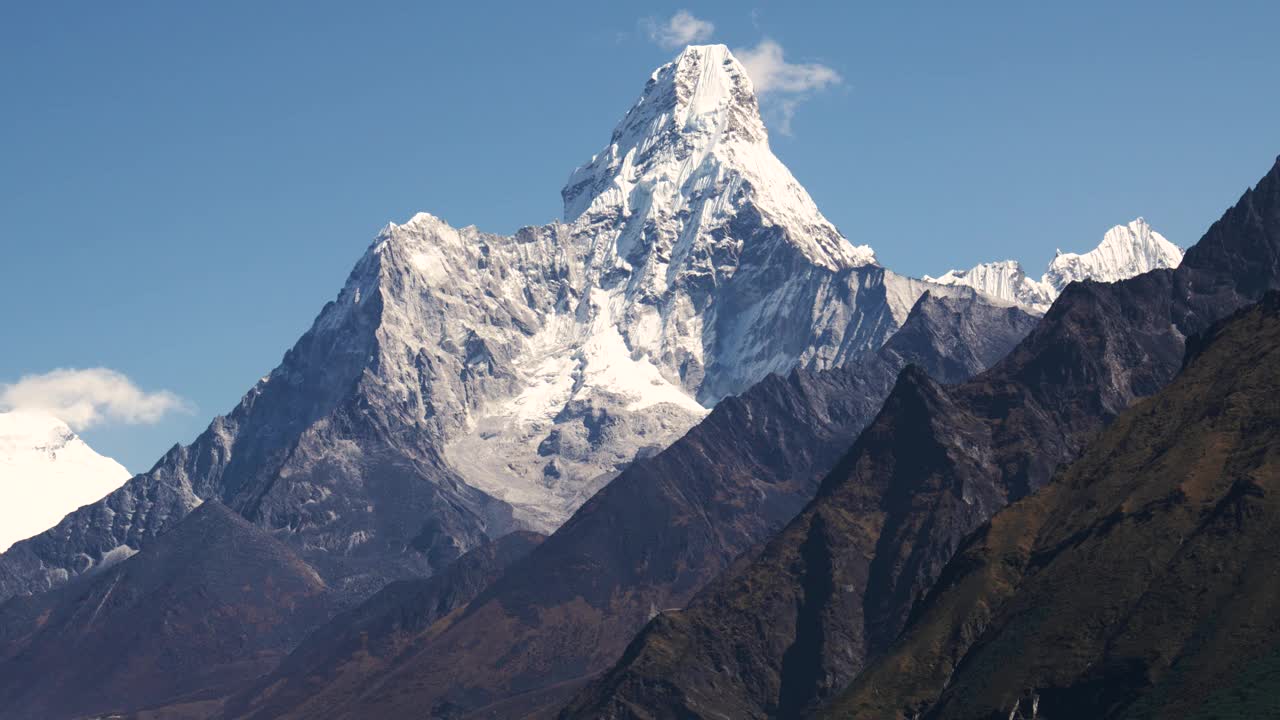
(679, 30)
(781, 86)
(771, 73)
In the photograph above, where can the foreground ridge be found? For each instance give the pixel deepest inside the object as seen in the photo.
(1137, 584)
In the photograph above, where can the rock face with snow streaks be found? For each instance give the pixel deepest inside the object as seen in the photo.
(694, 266)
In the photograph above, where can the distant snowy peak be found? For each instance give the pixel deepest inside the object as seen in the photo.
(1005, 281)
(46, 471)
(694, 141)
(1125, 251)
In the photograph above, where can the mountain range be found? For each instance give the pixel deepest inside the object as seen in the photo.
(1126, 251)
(688, 452)
(654, 536)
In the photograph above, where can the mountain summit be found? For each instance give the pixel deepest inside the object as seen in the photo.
(695, 140)
(464, 384)
(46, 471)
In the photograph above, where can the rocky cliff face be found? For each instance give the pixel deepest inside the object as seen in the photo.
(1137, 584)
(464, 384)
(651, 538)
(778, 635)
(697, 266)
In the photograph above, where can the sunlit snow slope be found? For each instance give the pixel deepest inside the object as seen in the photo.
(46, 471)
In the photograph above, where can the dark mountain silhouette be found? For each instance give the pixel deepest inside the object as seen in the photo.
(1139, 584)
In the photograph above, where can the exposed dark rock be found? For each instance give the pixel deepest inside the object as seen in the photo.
(1138, 584)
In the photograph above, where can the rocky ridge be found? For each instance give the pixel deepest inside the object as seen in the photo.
(1136, 584)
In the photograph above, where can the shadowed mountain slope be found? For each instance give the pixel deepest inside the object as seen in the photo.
(377, 628)
(212, 603)
(779, 635)
(1139, 584)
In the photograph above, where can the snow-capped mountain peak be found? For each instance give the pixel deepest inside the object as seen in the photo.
(463, 383)
(545, 361)
(1125, 251)
(695, 141)
(46, 471)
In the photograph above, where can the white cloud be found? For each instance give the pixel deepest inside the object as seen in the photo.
(682, 29)
(84, 398)
(781, 84)
(771, 73)
(785, 110)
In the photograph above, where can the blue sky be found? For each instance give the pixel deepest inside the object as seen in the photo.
(183, 185)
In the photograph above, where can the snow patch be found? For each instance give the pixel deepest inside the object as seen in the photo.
(116, 555)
